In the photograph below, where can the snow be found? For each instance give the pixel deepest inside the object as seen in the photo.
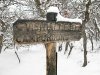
(53, 9)
(72, 65)
(12, 8)
(61, 18)
(1, 4)
(33, 61)
(1, 33)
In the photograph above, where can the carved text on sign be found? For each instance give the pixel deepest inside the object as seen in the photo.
(29, 31)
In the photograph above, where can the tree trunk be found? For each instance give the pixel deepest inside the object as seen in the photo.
(60, 47)
(0, 48)
(17, 56)
(91, 38)
(51, 57)
(71, 47)
(1, 39)
(66, 47)
(86, 19)
(96, 29)
(85, 49)
(92, 42)
(39, 8)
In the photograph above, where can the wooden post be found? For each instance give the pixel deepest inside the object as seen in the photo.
(51, 59)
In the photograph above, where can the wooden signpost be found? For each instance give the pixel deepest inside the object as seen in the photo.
(40, 31)
(51, 58)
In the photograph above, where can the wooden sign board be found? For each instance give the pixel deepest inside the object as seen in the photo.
(31, 31)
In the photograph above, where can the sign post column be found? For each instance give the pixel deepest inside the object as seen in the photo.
(51, 59)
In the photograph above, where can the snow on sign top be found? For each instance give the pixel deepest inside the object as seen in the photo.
(61, 18)
(53, 9)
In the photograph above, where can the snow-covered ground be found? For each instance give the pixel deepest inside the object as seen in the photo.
(33, 61)
(72, 65)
